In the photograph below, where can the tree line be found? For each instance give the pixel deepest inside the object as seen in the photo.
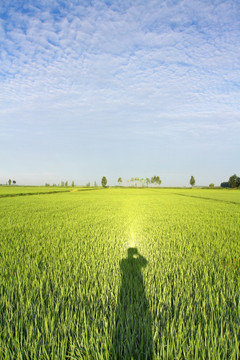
(62, 184)
(233, 182)
(10, 182)
(141, 182)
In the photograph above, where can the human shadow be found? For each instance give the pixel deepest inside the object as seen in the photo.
(132, 333)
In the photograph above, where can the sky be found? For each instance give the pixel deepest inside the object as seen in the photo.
(119, 88)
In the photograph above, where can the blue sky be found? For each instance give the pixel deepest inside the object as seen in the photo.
(119, 88)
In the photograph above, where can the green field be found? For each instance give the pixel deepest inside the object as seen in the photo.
(9, 191)
(120, 274)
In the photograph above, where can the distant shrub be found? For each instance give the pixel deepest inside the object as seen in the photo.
(211, 185)
(226, 184)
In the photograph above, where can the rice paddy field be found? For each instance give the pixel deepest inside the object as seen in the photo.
(120, 274)
(9, 191)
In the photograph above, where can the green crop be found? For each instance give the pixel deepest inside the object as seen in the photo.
(10, 191)
(120, 274)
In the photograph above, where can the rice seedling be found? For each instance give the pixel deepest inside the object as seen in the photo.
(120, 274)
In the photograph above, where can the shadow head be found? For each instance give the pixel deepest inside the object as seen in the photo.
(132, 252)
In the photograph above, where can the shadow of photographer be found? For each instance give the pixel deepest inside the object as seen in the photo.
(132, 334)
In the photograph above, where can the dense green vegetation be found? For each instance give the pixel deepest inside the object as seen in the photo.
(8, 191)
(120, 273)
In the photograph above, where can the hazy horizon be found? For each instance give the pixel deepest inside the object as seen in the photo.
(119, 89)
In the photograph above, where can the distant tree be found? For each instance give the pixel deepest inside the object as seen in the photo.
(119, 181)
(136, 181)
(234, 180)
(156, 180)
(88, 184)
(62, 183)
(226, 184)
(104, 181)
(73, 184)
(132, 180)
(9, 182)
(66, 183)
(54, 185)
(46, 184)
(148, 181)
(14, 182)
(95, 184)
(192, 181)
(211, 185)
